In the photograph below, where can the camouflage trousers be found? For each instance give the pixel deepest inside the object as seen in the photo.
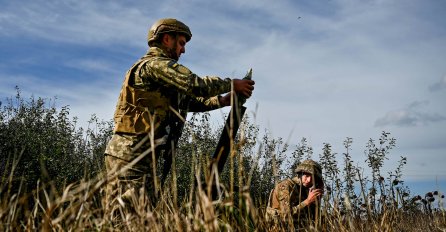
(128, 161)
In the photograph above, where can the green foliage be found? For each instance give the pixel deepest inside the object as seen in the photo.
(39, 141)
(303, 151)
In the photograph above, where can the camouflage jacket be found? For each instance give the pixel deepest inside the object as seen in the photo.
(287, 201)
(157, 91)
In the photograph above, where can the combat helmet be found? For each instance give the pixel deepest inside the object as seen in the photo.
(167, 25)
(311, 167)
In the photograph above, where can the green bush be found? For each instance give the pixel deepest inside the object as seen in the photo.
(40, 142)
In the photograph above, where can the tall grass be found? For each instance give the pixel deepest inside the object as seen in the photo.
(80, 207)
(354, 200)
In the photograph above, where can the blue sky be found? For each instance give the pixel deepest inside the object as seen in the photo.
(324, 70)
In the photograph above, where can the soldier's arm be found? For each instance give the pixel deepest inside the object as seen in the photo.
(312, 197)
(170, 74)
(202, 104)
(284, 197)
(299, 207)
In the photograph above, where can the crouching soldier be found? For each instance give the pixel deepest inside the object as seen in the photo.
(296, 201)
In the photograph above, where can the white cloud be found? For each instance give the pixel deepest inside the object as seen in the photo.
(92, 65)
(76, 22)
(410, 116)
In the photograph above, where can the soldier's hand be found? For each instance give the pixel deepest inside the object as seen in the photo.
(243, 87)
(313, 195)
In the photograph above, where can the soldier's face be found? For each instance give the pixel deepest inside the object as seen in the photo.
(307, 179)
(176, 46)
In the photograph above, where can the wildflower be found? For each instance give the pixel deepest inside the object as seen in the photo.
(442, 196)
(429, 194)
(431, 199)
(435, 193)
(396, 182)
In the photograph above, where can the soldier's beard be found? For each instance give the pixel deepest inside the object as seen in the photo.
(172, 52)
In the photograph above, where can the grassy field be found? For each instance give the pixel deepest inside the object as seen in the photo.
(52, 179)
(80, 207)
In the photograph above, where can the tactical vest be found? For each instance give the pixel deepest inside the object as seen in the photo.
(159, 106)
(138, 110)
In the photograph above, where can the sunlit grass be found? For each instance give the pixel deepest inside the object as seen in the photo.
(80, 207)
(68, 193)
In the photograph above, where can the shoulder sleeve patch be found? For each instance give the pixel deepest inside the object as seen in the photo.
(183, 70)
(172, 64)
(178, 67)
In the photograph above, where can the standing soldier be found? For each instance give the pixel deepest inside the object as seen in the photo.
(154, 100)
(296, 201)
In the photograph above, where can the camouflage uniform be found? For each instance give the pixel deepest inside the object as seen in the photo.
(156, 95)
(286, 202)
